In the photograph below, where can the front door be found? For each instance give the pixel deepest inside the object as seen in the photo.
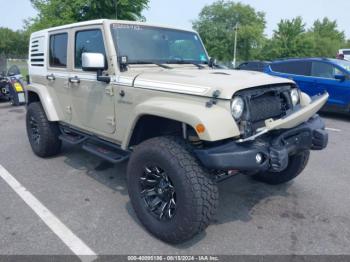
(338, 91)
(92, 101)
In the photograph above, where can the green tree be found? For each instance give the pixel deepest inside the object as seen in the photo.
(13, 44)
(289, 40)
(216, 25)
(326, 37)
(59, 12)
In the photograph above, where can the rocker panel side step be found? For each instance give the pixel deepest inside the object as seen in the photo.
(94, 145)
(72, 137)
(108, 154)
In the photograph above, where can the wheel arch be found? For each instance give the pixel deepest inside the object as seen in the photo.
(218, 121)
(39, 93)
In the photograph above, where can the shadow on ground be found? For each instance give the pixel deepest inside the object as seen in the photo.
(238, 195)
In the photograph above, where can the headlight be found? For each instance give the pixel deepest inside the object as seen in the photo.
(295, 96)
(237, 107)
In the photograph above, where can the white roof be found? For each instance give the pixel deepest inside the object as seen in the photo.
(101, 21)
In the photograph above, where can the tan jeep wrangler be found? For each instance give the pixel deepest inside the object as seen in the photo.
(151, 95)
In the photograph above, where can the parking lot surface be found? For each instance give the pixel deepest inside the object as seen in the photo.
(311, 215)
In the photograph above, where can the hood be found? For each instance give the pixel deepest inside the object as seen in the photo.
(205, 82)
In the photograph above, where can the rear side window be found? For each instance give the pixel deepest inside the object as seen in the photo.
(88, 41)
(294, 68)
(58, 50)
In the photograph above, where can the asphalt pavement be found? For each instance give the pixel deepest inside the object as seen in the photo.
(309, 216)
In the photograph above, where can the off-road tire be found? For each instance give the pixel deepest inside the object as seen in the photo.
(297, 164)
(49, 144)
(197, 194)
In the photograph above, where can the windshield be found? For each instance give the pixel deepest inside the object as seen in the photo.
(342, 63)
(143, 44)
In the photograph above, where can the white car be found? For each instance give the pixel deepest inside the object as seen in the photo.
(345, 53)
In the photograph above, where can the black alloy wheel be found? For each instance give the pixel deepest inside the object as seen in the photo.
(158, 193)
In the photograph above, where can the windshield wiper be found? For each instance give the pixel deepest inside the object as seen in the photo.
(183, 62)
(151, 63)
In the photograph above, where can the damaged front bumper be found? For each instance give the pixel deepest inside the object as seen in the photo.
(269, 152)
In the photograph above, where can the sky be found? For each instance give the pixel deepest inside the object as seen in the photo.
(181, 13)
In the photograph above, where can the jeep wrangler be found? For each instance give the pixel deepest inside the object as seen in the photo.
(151, 95)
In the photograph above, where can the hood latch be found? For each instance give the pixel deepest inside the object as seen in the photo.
(214, 99)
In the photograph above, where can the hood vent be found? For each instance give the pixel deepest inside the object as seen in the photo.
(221, 73)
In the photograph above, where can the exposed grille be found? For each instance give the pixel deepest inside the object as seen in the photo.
(267, 106)
(264, 103)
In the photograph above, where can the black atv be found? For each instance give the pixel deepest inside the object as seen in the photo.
(11, 86)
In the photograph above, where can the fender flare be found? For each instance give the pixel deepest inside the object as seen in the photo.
(218, 121)
(45, 99)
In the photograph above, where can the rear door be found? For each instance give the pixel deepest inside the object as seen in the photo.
(299, 71)
(324, 74)
(58, 71)
(92, 100)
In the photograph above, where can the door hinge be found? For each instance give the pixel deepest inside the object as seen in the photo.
(111, 120)
(109, 90)
(68, 109)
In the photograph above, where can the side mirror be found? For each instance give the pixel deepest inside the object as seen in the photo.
(95, 62)
(340, 77)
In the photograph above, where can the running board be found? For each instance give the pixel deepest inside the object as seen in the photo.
(110, 154)
(73, 139)
(94, 145)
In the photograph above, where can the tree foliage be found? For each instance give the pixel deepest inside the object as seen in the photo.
(327, 39)
(291, 38)
(13, 43)
(60, 12)
(216, 25)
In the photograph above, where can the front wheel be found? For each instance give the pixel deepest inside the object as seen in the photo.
(297, 164)
(172, 195)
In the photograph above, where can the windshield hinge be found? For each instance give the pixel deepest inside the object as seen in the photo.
(109, 90)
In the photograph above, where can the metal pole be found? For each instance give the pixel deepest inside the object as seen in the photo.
(116, 9)
(235, 47)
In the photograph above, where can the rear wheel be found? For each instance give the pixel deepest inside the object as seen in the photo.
(42, 134)
(297, 164)
(172, 195)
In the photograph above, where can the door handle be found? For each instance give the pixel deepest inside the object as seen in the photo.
(74, 80)
(51, 77)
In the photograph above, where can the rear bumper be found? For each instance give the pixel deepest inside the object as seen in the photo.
(269, 153)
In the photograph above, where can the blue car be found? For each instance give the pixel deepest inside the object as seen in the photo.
(317, 75)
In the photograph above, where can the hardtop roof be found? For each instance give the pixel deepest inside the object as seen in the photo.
(100, 22)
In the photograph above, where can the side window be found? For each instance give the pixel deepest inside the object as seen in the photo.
(295, 68)
(58, 50)
(88, 41)
(324, 70)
